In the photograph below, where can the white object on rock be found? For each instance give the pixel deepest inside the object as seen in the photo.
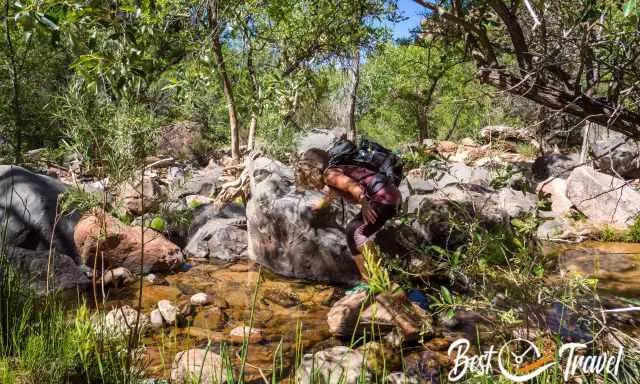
(401, 378)
(151, 278)
(169, 311)
(117, 276)
(200, 298)
(252, 335)
(156, 318)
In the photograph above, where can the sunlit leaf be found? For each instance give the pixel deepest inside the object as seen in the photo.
(446, 295)
(629, 8)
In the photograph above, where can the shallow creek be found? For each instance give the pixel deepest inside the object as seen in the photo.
(281, 306)
(284, 305)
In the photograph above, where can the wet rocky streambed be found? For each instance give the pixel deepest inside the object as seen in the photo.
(290, 316)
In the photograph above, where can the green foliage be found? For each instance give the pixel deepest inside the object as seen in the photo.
(630, 8)
(417, 159)
(104, 357)
(527, 150)
(378, 276)
(633, 233)
(608, 233)
(49, 351)
(408, 88)
(630, 235)
(158, 224)
(75, 199)
(445, 301)
(111, 139)
(16, 307)
(577, 215)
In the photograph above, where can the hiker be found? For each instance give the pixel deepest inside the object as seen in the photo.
(368, 175)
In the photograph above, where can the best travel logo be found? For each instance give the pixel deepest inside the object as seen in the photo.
(519, 360)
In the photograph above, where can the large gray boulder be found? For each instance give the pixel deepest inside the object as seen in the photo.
(613, 152)
(286, 236)
(318, 138)
(477, 201)
(438, 213)
(556, 189)
(29, 212)
(222, 239)
(202, 181)
(34, 265)
(451, 173)
(605, 199)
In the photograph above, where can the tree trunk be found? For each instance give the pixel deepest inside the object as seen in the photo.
(257, 97)
(224, 79)
(423, 124)
(353, 94)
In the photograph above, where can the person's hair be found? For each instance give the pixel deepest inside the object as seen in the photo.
(310, 169)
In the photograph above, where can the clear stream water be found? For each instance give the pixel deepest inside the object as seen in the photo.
(283, 305)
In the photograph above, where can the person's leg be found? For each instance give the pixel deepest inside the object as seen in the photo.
(360, 234)
(354, 241)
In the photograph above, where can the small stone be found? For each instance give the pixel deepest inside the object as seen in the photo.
(200, 299)
(169, 311)
(417, 173)
(151, 278)
(429, 143)
(238, 335)
(342, 317)
(117, 277)
(401, 378)
(156, 319)
(121, 320)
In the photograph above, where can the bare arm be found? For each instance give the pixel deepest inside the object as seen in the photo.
(343, 184)
(336, 180)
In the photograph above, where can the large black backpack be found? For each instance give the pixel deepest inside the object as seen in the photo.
(370, 155)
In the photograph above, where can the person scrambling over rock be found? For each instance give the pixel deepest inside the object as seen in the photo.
(368, 175)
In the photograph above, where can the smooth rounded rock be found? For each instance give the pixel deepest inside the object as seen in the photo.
(200, 299)
(239, 334)
(169, 311)
(156, 319)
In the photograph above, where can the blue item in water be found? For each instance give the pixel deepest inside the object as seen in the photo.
(361, 286)
(184, 267)
(419, 298)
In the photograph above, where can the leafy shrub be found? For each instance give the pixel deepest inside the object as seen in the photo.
(110, 138)
(379, 280)
(633, 233)
(527, 150)
(608, 234)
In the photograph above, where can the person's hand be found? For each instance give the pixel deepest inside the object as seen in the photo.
(318, 205)
(368, 213)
